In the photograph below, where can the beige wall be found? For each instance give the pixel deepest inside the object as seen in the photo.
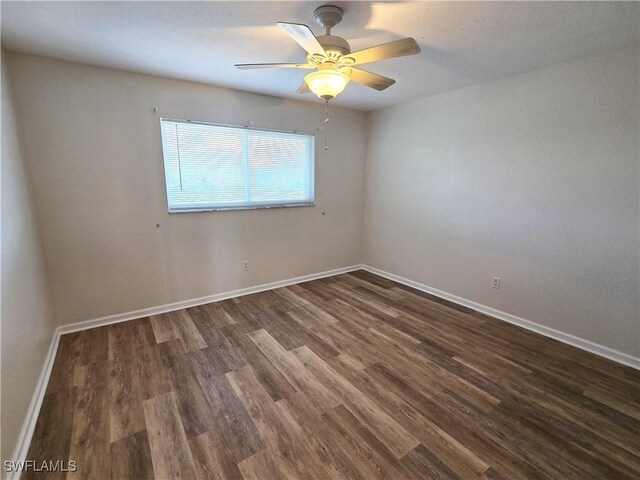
(27, 312)
(94, 155)
(532, 178)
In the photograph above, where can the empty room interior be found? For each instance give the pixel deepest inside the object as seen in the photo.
(310, 240)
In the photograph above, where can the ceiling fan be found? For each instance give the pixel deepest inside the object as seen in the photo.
(332, 58)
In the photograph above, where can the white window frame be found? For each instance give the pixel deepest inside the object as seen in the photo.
(244, 206)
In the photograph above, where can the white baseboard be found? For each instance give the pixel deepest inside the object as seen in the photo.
(581, 343)
(29, 424)
(170, 307)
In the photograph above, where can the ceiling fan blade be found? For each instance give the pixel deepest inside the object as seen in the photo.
(369, 79)
(246, 66)
(304, 88)
(304, 36)
(398, 48)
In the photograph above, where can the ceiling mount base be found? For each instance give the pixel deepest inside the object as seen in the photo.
(328, 16)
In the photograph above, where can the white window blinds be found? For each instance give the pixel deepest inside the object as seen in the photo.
(209, 167)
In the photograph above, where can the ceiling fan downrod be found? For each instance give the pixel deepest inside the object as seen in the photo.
(328, 16)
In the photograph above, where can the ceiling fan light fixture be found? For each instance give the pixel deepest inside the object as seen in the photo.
(327, 83)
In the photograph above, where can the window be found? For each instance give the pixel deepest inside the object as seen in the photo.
(219, 167)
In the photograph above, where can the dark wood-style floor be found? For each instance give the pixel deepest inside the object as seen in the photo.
(349, 377)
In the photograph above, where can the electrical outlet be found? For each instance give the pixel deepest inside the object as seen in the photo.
(495, 283)
(245, 265)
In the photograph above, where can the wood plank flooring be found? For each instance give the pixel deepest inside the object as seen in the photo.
(348, 377)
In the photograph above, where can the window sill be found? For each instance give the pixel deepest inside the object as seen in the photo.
(247, 207)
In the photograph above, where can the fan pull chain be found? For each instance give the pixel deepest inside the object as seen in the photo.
(326, 122)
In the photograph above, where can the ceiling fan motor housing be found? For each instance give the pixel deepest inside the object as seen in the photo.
(334, 46)
(328, 16)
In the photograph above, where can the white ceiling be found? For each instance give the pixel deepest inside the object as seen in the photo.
(463, 43)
